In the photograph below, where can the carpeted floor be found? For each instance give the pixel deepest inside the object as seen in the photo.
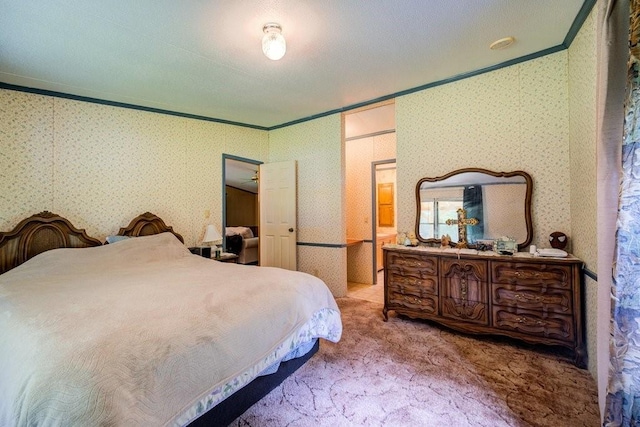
(412, 373)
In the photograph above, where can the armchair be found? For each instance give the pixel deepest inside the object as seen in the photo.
(249, 252)
(241, 241)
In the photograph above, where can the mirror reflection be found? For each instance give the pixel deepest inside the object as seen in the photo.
(493, 204)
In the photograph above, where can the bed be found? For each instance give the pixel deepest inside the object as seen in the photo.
(142, 332)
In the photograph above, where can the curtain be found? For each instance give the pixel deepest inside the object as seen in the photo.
(622, 406)
(612, 53)
(472, 203)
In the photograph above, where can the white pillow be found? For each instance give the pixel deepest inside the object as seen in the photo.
(245, 232)
(116, 238)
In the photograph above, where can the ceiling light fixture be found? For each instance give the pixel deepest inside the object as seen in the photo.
(502, 43)
(273, 44)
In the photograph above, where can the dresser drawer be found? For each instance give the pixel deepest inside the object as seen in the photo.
(423, 303)
(414, 264)
(412, 284)
(547, 325)
(466, 311)
(532, 297)
(531, 274)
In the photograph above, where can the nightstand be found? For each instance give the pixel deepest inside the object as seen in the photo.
(227, 257)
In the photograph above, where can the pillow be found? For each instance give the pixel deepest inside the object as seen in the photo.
(116, 239)
(245, 232)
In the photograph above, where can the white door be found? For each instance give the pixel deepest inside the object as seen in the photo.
(278, 233)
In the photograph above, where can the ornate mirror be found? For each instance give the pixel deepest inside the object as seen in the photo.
(483, 204)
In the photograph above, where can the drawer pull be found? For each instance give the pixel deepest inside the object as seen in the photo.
(522, 319)
(526, 275)
(410, 263)
(413, 300)
(413, 282)
(527, 297)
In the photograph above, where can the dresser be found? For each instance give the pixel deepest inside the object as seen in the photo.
(533, 299)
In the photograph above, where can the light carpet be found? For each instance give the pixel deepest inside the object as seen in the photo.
(412, 373)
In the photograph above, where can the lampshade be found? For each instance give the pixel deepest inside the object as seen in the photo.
(274, 45)
(211, 235)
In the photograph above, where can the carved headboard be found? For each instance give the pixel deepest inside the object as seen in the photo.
(147, 224)
(37, 234)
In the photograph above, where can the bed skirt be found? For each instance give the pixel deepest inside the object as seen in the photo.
(235, 405)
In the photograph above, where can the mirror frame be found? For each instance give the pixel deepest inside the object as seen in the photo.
(527, 201)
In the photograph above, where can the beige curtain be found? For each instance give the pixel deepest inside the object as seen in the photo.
(613, 52)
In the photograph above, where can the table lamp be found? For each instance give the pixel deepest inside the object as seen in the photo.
(212, 236)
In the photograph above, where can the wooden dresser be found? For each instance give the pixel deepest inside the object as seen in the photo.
(534, 299)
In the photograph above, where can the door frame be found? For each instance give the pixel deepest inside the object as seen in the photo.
(224, 191)
(374, 214)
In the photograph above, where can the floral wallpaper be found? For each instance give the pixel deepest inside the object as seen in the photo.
(113, 164)
(582, 145)
(26, 156)
(317, 147)
(101, 166)
(516, 118)
(329, 264)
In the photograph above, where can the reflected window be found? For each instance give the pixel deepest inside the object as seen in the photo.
(434, 214)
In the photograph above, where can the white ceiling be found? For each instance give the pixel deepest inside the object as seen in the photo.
(370, 121)
(204, 57)
(241, 175)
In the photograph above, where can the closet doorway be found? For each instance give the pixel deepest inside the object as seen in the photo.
(240, 206)
(370, 144)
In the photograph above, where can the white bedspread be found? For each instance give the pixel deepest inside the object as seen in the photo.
(137, 332)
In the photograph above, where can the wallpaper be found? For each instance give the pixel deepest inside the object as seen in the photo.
(112, 164)
(318, 149)
(510, 119)
(582, 136)
(100, 166)
(329, 264)
(207, 142)
(26, 156)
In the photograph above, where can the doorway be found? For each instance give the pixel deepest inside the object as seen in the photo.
(240, 208)
(369, 138)
(384, 202)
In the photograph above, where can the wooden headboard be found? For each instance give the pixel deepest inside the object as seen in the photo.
(147, 224)
(37, 234)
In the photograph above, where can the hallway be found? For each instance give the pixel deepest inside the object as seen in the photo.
(373, 293)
